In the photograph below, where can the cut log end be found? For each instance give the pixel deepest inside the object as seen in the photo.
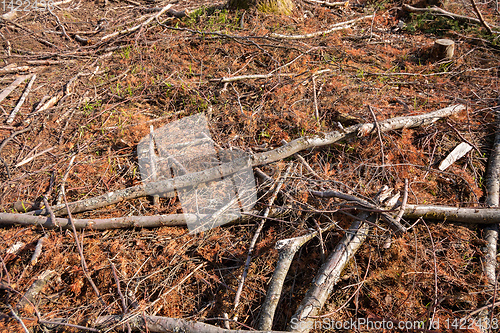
(443, 49)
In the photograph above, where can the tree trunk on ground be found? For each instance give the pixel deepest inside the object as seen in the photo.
(283, 7)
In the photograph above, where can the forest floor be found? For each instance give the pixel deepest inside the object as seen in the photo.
(112, 88)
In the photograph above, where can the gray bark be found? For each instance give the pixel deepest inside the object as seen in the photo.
(263, 158)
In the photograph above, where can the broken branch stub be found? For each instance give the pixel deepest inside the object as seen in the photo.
(185, 147)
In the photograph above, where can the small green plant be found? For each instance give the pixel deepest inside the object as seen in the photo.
(89, 107)
(125, 54)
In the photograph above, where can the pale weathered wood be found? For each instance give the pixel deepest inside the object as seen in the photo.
(164, 324)
(328, 276)
(302, 143)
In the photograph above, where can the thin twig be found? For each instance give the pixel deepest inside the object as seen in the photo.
(279, 184)
(316, 109)
(335, 27)
(29, 159)
(378, 133)
(14, 314)
(80, 250)
(117, 281)
(137, 27)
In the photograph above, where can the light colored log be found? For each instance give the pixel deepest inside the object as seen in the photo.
(6, 92)
(328, 276)
(263, 158)
(164, 324)
(447, 213)
(286, 251)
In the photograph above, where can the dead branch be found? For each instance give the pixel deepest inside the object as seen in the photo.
(29, 159)
(80, 250)
(465, 215)
(279, 184)
(35, 288)
(403, 203)
(441, 12)
(287, 249)
(6, 92)
(329, 275)
(14, 314)
(100, 224)
(137, 27)
(165, 324)
(10, 70)
(263, 158)
(251, 77)
(481, 18)
(335, 27)
(344, 4)
(492, 200)
(395, 225)
(38, 251)
(66, 90)
(21, 100)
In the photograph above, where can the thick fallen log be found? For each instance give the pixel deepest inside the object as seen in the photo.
(263, 158)
(493, 200)
(165, 324)
(100, 224)
(455, 214)
(465, 215)
(328, 276)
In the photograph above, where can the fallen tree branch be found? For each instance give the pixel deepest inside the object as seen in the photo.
(279, 184)
(335, 27)
(456, 214)
(6, 92)
(165, 324)
(449, 213)
(491, 231)
(10, 70)
(493, 200)
(344, 4)
(286, 251)
(100, 224)
(35, 288)
(394, 224)
(137, 27)
(263, 158)
(481, 18)
(441, 12)
(329, 275)
(21, 100)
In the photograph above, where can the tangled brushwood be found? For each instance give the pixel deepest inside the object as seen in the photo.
(371, 129)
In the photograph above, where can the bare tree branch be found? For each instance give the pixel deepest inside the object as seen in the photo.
(263, 158)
